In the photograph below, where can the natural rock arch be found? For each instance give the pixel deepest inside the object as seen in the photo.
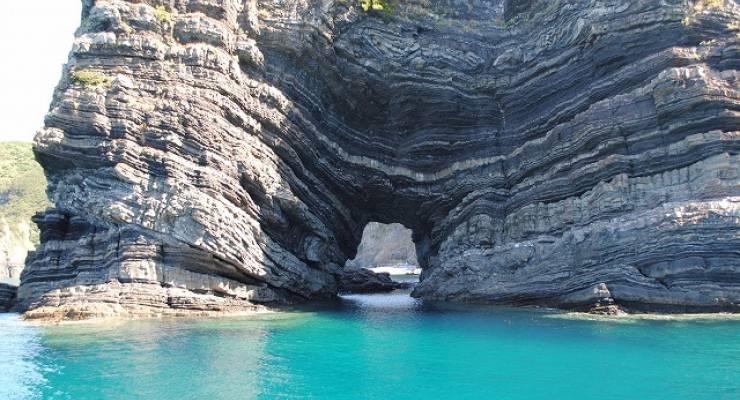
(231, 153)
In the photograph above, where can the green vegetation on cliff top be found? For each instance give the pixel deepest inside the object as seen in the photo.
(22, 184)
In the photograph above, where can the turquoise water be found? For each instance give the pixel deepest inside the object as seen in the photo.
(374, 347)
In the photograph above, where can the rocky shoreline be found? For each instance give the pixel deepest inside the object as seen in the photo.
(101, 312)
(362, 280)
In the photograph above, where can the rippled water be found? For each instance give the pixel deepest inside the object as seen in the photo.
(374, 347)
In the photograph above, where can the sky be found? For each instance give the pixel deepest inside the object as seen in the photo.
(35, 39)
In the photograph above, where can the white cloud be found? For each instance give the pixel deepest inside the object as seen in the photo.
(35, 38)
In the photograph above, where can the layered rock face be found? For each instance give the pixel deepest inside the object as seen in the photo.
(7, 296)
(229, 153)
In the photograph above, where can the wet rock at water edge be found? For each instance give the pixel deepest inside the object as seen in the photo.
(362, 280)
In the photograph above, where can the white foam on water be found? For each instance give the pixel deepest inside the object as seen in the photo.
(396, 300)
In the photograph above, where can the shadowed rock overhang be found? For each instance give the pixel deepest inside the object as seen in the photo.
(211, 155)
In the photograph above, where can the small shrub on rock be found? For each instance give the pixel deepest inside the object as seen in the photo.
(90, 78)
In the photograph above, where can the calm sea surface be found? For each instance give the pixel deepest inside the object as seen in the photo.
(374, 347)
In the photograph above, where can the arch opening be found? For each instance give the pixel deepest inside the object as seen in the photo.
(385, 260)
(386, 248)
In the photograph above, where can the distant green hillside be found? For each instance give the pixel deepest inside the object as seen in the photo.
(22, 182)
(22, 193)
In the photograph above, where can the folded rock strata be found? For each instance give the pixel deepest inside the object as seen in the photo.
(542, 152)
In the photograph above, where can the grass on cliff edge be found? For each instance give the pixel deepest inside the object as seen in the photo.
(88, 78)
(162, 15)
(22, 185)
(385, 6)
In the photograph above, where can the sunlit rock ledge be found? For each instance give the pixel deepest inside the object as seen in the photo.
(573, 154)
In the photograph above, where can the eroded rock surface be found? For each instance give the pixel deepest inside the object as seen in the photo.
(542, 152)
(362, 280)
(7, 296)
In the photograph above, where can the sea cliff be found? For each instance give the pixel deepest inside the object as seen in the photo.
(215, 155)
